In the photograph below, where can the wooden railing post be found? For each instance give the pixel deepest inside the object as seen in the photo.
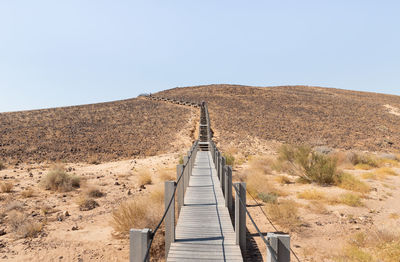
(186, 172)
(138, 243)
(180, 190)
(228, 188)
(280, 248)
(240, 216)
(222, 179)
(170, 216)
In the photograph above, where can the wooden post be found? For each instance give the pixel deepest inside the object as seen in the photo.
(240, 216)
(170, 217)
(228, 188)
(186, 172)
(280, 247)
(138, 243)
(222, 180)
(180, 190)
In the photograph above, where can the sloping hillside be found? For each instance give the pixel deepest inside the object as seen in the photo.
(299, 114)
(97, 132)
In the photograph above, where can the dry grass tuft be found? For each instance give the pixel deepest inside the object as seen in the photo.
(28, 192)
(311, 194)
(94, 192)
(372, 246)
(93, 160)
(14, 205)
(364, 161)
(283, 180)
(167, 174)
(22, 226)
(86, 204)
(285, 213)
(394, 216)
(349, 199)
(144, 178)
(230, 159)
(58, 180)
(135, 213)
(157, 195)
(258, 185)
(6, 187)
(350, 182)
(380, 173)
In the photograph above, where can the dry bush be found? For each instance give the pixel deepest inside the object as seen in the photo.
(230, 159)
(363, 161)
(311, 195)
(94, 192)
(258, 184)
(261, 165)
(22, 226)
(310, 165)
(283, 180)
(135, 213)
(316, 206)
(59, 180)
(144, 178)
(167, 174)
(350, 182)
(28, 192)
(14, 205)
(349, 199)
(157, 195)
(284, 213)
(267, 197)
(93, 160)
(372, 246)
(86, 204)
(6, 187)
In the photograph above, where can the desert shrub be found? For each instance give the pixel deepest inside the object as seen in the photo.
(22, 226)
(267, 197)
(311, 195)
(94, 192)
(284, 213)
(144, 178)
(350, 199)
(157, 195)
(167, 175)
(93, 160)
(310, 165)
(363, 161)
(181, 160)
(6, 187)
(135, 213)
(59, 180)
(86, 204)
(14, 205)
(283, 180)
(230, 159)
(28, 192)
(371, 246)
(350, 182)
(2, 165)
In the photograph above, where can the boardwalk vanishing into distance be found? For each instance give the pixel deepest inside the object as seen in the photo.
(211, 225)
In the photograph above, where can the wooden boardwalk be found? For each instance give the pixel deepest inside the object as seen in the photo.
(204, 231)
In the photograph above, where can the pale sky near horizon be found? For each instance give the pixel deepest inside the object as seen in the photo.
(59, 53)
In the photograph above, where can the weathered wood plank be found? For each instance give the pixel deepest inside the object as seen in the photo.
(204, 230)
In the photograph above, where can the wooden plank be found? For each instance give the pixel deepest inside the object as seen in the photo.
(204, 231)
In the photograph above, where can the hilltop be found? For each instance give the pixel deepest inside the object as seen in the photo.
(240, 115)
(299, 114)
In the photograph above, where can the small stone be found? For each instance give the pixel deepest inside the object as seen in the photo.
(66, 213)
(116, 183)
(61, 257)
(318, 223)
(129, 192)
(74, 228)
(2, 232)
(30, 174)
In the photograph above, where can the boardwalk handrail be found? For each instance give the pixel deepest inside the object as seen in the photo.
(152, 233)
(278, 244)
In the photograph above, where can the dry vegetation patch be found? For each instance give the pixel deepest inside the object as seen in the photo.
(285, 214)
(22, 225)
(144, 177)
(57, 179)
(6, 187)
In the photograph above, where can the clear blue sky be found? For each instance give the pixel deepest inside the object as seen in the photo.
(56, 53)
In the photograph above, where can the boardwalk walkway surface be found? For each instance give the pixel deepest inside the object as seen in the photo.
(204, 231)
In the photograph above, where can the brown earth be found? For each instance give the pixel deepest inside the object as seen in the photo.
(298, 114)
(97, 132)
